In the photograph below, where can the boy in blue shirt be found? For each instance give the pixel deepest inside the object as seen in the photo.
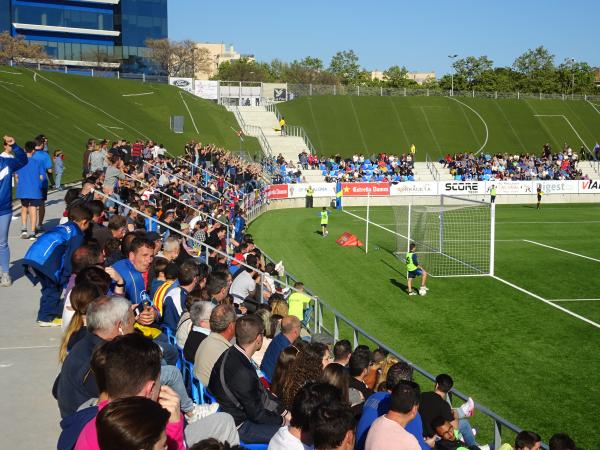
(48, 262)
(29, 190)
(41, 154)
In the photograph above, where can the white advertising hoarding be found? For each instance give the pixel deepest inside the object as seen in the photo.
(208, 89)
(321, 190)
(187, 84)
(415, 188)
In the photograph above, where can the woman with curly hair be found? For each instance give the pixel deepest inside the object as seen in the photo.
(308, 366)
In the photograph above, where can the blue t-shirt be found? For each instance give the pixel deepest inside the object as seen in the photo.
(377, 405)
(46, 162)
(30, 184)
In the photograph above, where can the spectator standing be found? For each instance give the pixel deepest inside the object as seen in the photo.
(298, 301)
(98, 159)
(30, 191)
(12, 159)
(282, 126)
(59, 168)
(85, 163)
(41, 154)
(342, 351)
(48, 262)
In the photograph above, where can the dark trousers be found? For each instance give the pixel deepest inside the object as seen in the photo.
(309, 201)
(256, 433)
(51, 305)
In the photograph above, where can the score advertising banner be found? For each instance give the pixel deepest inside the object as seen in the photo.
(456, 188)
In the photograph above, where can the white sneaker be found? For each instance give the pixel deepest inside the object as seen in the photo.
(5, 280)
(413, 293)
(425, 288)
(202, 411)
(24, 234)
(468, 407)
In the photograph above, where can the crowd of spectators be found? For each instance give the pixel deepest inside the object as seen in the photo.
(358, 168)
(547, 165)
(158, 299)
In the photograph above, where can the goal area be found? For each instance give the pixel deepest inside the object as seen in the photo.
(454, 238)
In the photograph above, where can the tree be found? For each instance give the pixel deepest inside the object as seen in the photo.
(179, 59)
(16, 48)
(344, 65)
(471, 68)
(396, 76)
(534, 61)
(576, 77)
(244, 69)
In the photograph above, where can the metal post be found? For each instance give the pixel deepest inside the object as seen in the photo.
(310, 89)
(354, 338)
(334, 93)
(408, 228)
(118, 75)
(405, 92)
(66, 71)
(143, 77)
(367, 232)
(92, 72)
(358, 90)
(381, 91)
(492, 238)
(441, 237)
(336, 330)
(473, 93)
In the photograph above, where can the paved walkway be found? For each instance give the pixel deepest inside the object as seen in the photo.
(29, 417)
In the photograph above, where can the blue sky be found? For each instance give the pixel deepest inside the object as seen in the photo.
(419, 34)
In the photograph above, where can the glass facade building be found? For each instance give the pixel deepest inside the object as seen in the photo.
(83, 32)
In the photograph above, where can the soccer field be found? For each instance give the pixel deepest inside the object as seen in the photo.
(530, 354)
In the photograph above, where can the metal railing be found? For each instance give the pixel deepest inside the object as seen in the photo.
(432, 169)
(298, 90)
(292, 130)
(251, 130)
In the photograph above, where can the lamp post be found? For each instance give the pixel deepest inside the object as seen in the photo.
(572, 62)
(452, 58)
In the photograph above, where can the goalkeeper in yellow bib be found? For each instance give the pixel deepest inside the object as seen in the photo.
(324, 222)
(415, 270)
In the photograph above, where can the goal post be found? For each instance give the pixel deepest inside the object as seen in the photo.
(454, 235)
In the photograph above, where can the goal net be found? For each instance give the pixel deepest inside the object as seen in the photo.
(453, 238)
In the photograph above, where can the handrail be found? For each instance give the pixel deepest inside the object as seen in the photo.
(252, 130)
(292, 130)
(431, 166)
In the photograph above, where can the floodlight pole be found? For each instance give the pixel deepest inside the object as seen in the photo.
(492, 238)
(452, 58)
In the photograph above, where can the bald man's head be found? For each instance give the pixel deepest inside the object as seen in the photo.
(290, 327)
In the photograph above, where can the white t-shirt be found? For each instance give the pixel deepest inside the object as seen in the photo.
(242, 287)
(284, 440)
(385, 434)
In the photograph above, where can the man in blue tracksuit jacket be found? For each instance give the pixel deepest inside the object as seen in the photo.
(48, 262)
(12, 159)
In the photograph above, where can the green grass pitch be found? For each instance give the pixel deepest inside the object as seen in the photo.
(440, 125)
(535, 365)
(69, 109)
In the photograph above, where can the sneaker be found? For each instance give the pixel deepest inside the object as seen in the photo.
(202, 411)
(425, 288)
(56, 322)
(32, 237)
(15, 217)
(24, 234)
(468, 407)
(413, 293)
(5, 280)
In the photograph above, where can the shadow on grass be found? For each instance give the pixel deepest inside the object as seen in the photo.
(399, 284)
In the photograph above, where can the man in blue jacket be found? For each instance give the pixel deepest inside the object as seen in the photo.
(12, 159)
(48, 262)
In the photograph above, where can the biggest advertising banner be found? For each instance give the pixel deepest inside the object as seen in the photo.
(455, 188)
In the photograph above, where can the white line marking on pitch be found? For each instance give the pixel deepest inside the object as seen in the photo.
(189, 112)
(91, 105)
(108, 129)
(594, 105)
(487, 132)
(29, 101)
(576, 300)
(568, 121)
(13, 84)
(11, 73)
(561, 250)
(137, 95)
(548, 302)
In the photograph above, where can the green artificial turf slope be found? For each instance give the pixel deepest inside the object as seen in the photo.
(69, 109)
(440, 125)
(531, 363)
